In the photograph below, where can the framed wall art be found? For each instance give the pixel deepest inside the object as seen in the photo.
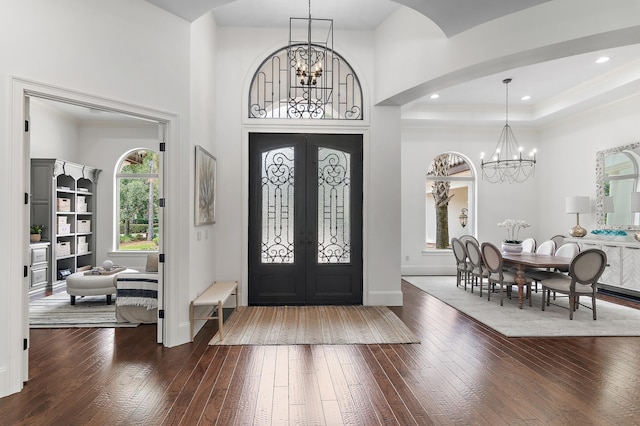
(205, 186)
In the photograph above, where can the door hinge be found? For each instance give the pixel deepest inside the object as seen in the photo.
(161, 313)
(163, 146)
(25, 344)
(162, 202)
(26, 125)
(26, 198)
(161, 258)
(25, 271)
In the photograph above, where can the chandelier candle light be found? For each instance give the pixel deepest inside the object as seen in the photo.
(507, 163)
(310, 55)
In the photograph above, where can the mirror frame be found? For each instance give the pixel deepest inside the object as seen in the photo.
(600, 215)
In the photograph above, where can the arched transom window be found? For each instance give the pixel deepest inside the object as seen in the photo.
(277, 93)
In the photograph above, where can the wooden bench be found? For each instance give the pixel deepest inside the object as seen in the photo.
(215, 296)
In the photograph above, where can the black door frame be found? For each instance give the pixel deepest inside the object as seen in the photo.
(306, 281)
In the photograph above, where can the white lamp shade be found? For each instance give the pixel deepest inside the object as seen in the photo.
(608, 205)
(577, 204)
(635, 201)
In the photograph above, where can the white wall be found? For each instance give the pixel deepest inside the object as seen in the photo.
(569, 150)
(240, 52)
(102, 147)
(127, 51)
(496, 202)
(52, 133)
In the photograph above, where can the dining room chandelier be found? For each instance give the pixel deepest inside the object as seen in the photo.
(310, 54)
(508, 163)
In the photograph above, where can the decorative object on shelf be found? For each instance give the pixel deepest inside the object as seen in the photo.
(205, 196)
(507, 163)
(635, 208)
(36, 233)
(577, 204)
(464, 217)
(513, 230)
(611, 232)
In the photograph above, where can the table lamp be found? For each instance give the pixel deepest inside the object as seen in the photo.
(635, 208)
(577, 205)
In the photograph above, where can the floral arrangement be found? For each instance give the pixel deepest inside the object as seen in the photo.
(513, 229)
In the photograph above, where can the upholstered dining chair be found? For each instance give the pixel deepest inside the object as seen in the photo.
(478, 270)
(528, 245)
(494, 262)
(568, 250)
(584, 271)
(558, 239)
(467, 237)
(463, 268)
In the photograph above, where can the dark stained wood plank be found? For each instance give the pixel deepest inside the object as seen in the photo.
(462, 372)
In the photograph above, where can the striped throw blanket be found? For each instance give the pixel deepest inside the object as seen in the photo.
(137, 290)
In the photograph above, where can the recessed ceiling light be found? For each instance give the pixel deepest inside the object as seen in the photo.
(602, 59)
(525, 98)
(435, 96)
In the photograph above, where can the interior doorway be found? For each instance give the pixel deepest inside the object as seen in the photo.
(305, 219)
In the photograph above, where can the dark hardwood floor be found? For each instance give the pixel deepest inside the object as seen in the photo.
(461, 373)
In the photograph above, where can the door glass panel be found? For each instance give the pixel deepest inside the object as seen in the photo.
(334, 186)
(277, 206)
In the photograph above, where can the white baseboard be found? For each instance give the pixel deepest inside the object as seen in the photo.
(385, 298)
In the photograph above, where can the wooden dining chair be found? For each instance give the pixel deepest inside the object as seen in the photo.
(584, 271)
(494, 262)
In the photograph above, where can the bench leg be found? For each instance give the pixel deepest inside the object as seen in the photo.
(220, 319)
(73, 300)
(108, 299)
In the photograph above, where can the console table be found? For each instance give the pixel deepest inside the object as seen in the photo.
(623, 273)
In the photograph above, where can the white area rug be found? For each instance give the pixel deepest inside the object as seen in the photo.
(613, 320)
(56, 311)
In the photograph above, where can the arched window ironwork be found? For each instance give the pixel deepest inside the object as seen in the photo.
(275, 92)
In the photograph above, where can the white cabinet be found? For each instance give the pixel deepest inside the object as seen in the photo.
(63, 199)
(623, 273)
(39, 265)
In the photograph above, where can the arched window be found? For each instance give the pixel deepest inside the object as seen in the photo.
(137, 204)
(276, 93)
(449, 199)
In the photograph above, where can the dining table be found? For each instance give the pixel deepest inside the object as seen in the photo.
(532, 260)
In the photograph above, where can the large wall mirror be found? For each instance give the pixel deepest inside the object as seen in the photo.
(617, 176)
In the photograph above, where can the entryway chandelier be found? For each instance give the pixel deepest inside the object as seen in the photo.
(507, 163)
(310, 76)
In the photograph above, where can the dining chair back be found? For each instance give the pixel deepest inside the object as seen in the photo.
(492, 258)
(463, 268)
(547, 247)
(585, 270)
(567, 250)
(478, 270)
(467, 237)
(558, 239)
(528, 245)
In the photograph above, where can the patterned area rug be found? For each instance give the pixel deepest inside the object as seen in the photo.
(56, 311)
(509, 320)
(313, 325)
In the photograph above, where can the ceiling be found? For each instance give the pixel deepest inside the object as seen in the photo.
(555, 87)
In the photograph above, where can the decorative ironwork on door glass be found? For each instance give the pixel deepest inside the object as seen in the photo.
(278, 206)
(334, 186)
(275, 91)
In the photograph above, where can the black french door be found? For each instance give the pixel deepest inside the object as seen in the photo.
(305, 219)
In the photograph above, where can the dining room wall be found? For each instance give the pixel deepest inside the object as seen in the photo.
(566, 160)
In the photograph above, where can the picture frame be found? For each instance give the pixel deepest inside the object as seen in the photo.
(205, 187)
